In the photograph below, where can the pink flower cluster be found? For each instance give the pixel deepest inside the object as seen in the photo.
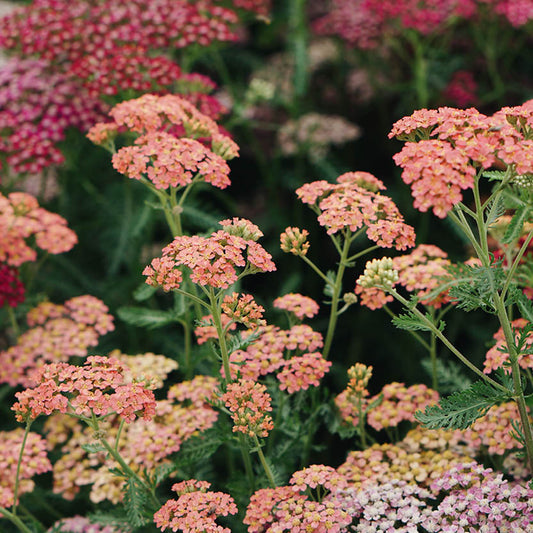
(454, 144)
(196, 509)
(352, 203)
(34, 461)
(80, 524)
(22, 219)
(498, 355)
(299, 305)
(57, 333)
(267, 354)
(37, 106)
(171, 114)
(249, 403)
(286, 508)
(398, 403)
(97, 388)
(422, 271)
(214, 261)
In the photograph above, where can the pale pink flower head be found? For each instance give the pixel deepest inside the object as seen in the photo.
(353, 203)
(313, 476)
(299, 305)
(302, 371)
(217, 261)
(249, 404)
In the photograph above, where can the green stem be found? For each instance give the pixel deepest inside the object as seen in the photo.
(361, 422)
(516, 262)
(420, 68)
(433, 355)
(15, 520)
(414, 334)
(13, 321)
(337, 287)
(264, 463)
(317, 270)
(217, 320)
(19, 463)
(247, 462)
(187, 347)
(438, 333)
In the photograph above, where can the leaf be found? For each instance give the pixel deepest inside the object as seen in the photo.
(135, 500)
(461, 409)
(94, 447)
(328, 287)
(143, 292)
(496, 209)
(498, 175)
(450, 377)
(146, 317)
(411, 322)
(524, 305)
(198, 449)
(514, 230)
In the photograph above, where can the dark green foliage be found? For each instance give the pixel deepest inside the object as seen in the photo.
(461, 409)
(450, 375)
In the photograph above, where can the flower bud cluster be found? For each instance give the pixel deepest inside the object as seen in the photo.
(379, 273)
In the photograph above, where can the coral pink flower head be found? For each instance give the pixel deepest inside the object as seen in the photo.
(301, 306)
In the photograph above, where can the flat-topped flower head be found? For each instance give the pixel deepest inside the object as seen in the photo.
(167, 161)
(33, 461)
(302, 371)
(294, 241)
(249, 404)
(195, 511)
(23, 221)
(216, 261)
(379, 273)
(353, 203)
(313, 476)
(97, 388)
(57, 332)
(298, 304)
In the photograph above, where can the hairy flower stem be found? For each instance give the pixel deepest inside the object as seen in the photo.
(337, 287)
(247, 462)
(264, 463)
(217, 320)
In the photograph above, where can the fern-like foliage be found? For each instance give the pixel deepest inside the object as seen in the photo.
(411, 322)
(450, 376)
(461, 409)
(475, 286)
(136, 503)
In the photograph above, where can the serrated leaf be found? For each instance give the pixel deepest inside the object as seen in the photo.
(450, 376)
(145, 317)
(143, 292)
(328, 287)
(374, 403)
(461, 409)
(498, 175)
(94, 447)
(135, 499)
(514, 230)
(496, 209)
(197, 449)
(410, 322)
(525, 306)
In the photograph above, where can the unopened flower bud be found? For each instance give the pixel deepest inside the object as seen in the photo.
(524, 181)
(294, 241)
(379, 273)
(240, 227)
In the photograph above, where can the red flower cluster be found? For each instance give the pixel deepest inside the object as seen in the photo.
(57, 333)
(456, 143)
(21, 218)
(214, 261)
(11, 288)
(68, 30)
(353, 203)
(97, 388)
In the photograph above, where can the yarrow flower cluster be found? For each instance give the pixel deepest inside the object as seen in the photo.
(97, 388)
(37, 106)
(422, 271)
(34, 461)
(242, 309)
(57, 332)
(213, 261)
(21, 219)
(455, 143)
(297, 304)
(249, 404)
(81, 524)
(170, 114)
(195, 510)
(353, 203)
